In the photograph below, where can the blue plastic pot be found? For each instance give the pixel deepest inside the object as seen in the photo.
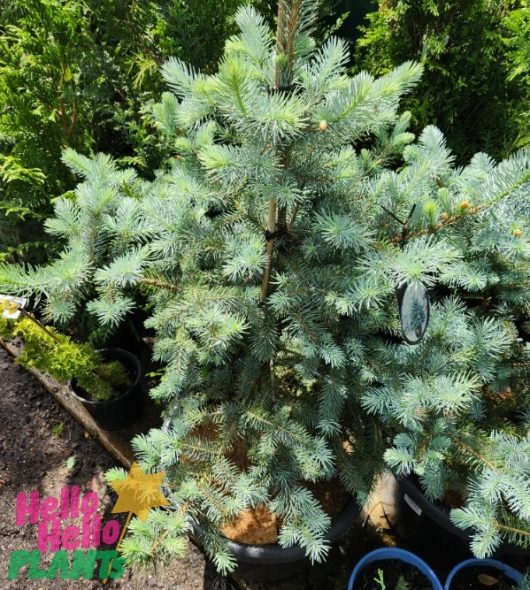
(509, 572)
(393, 553)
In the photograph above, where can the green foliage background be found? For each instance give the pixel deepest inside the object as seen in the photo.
(82, 74)
(475, 86)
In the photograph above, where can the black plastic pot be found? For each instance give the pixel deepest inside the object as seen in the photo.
(119, 412)
(272, 562)
(428, 525)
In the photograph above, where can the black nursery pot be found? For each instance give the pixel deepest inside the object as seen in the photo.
(271, 562)
(427, 526)
(119, 412)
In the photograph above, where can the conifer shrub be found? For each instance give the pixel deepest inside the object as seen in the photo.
(475, 86)
(270, 250)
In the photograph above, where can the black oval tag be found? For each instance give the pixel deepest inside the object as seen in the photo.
(413, 304)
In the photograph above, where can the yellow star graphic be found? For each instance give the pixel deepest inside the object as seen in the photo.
(139, 492)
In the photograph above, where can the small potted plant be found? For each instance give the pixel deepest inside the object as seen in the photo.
(392, 568)
(106, 382)
(478, 574)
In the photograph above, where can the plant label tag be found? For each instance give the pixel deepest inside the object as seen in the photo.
(412, 505)
(13, 306)
(413, 303)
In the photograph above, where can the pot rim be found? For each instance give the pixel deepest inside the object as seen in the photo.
(135, 364)
(395, 553)
(440, 515)
(274, 553)
(410, 485)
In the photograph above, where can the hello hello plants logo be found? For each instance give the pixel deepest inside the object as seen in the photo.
(75, 549)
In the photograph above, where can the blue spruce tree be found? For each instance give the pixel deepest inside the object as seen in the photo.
(270, 249)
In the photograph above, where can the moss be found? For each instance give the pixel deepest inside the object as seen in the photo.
(60, 357)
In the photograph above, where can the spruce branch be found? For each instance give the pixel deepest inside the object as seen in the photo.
(466, 448)
(453, 219)
(271, 228)
(182, 511)
(160, 284)
(510, 529)
(288, 21)
(289, 13)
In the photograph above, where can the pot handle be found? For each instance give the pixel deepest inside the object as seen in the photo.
(507, 570)
(387, 553)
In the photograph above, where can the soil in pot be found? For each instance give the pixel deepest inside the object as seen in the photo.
(258, 526)
(110, 380)
(124, 406)
(253, 533)
(391, 575)
(482, 578)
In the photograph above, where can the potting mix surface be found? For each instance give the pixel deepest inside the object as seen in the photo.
(482, 578)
